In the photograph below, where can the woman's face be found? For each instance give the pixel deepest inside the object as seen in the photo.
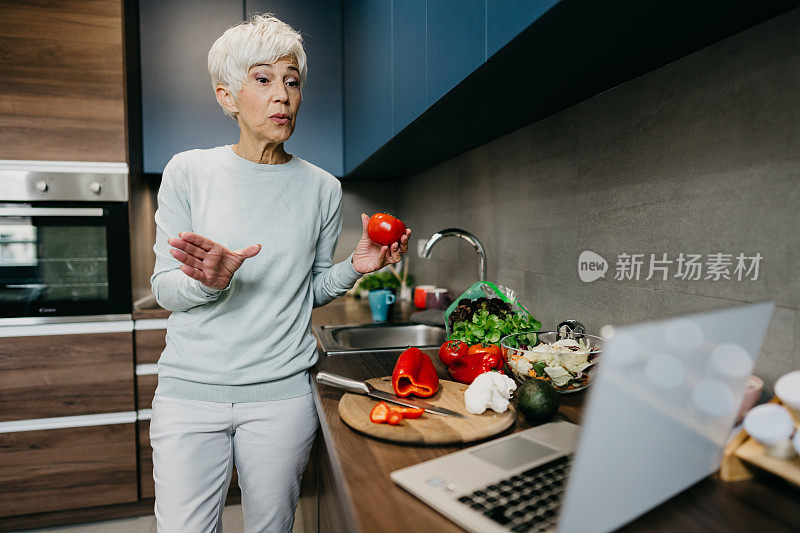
(269, 100)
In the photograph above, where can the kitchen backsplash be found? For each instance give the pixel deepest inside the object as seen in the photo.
(701, 156)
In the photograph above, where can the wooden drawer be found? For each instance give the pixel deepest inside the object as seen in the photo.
(150, 340)
(145, 390)
(146, 485)
(65, 375)
(56, 469)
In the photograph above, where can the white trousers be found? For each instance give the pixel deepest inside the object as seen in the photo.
(195, 445)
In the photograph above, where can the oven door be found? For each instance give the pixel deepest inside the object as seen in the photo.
(64, 259)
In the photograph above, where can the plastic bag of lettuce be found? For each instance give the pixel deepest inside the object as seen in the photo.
(485, 313)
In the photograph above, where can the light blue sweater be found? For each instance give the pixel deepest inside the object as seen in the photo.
(251, 341)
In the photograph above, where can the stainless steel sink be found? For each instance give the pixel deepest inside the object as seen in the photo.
(377, 337)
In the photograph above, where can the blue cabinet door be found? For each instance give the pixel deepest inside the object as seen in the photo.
(317, 137)
(367, 78)
(456, 35)
(505, 19)
(409, 75)
(179, 109)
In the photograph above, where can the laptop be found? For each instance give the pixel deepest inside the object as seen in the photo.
(659, 412)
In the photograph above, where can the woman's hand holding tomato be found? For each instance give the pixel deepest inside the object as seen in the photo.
(370, 256)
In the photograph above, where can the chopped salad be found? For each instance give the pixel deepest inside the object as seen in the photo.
(563, 362)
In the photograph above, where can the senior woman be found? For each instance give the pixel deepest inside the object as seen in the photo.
(233, 379)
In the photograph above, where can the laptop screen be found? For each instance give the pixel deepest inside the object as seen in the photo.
(659, 413)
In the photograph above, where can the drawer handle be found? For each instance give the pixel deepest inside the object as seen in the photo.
(63, 422)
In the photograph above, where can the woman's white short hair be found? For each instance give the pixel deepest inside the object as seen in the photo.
(262, 39)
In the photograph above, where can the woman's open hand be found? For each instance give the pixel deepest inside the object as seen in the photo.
(209, 263)
(370, 256)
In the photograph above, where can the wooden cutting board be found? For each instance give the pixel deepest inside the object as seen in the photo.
(429, 428)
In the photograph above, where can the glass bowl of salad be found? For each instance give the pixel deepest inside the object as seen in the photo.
(566, 361)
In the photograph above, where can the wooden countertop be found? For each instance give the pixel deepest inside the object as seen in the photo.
(370, 501)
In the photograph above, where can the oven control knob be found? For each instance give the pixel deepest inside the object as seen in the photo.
(96, 187)
(41, 186)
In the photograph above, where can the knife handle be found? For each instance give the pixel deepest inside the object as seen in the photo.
(341, 382)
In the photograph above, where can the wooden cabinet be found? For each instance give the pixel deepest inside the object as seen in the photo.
(67, 418)
(149, 340)
(62, 94)
(55, 469)
(48, 375)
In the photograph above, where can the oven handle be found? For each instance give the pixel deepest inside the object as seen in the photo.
(51, 211)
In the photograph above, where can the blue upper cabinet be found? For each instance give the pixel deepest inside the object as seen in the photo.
(456, 36)
(367, 78)
(317, 137)
(505, 19)
(409, 83)
(179, 109)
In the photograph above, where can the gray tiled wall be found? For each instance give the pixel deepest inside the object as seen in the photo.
(699, 156)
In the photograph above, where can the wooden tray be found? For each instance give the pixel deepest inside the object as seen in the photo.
(744, 452)
(354, 409)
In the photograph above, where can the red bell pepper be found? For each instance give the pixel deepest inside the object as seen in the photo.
(379, 413)
(408, 412)
(465, 369)
(414, 373)
(394, 418)
(452, 350)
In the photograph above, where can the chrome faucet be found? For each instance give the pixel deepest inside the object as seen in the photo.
(467, 236)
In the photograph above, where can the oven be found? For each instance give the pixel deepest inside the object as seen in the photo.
(64, 242)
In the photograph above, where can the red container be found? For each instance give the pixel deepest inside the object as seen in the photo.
(420, 295)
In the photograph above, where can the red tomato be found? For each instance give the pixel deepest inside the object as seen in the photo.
(385, 229)
(452, 350)
(492, 349)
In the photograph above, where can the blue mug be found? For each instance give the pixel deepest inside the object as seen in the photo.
(379, 302)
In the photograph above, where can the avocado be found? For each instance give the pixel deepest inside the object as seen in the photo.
(538, 400)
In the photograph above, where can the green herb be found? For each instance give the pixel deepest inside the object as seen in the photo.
(382, 280)
(539, 369)
(489, 328)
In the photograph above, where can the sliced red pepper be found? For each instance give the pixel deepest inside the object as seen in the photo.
(408, 412)
(414, 373)
(379, 413)
(452, 350)
(466, 369)
(394, 418)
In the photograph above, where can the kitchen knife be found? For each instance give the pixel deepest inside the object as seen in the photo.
(360, 387)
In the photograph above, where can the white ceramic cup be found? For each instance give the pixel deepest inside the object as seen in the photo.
(772, 426)
(787, 389)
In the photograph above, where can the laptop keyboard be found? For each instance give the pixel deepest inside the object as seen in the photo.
(529, 501)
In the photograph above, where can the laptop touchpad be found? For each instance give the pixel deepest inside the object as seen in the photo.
(513, 453)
